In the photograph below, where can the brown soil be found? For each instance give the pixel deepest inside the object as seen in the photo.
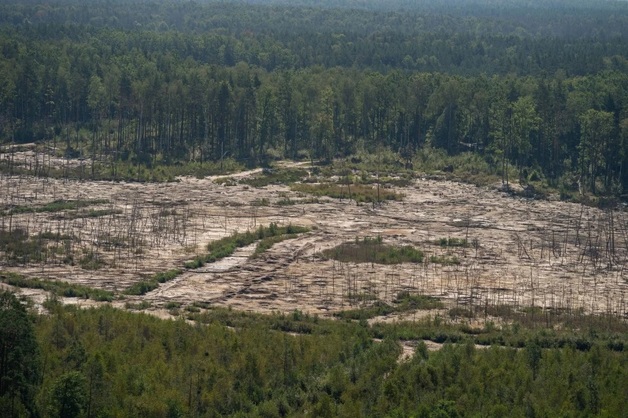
(522, 252)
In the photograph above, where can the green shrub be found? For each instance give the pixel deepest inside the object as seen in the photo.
(56, 287)
(144, 286)
(372, 250)
(358, 192)
(453, 242)
(444, 260)
(226, 246)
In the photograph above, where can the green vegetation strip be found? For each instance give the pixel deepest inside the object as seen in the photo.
(226, 246)
(144, 286)
(404, 302)
(444, 260)
(453, 242)
(92, 213)
(55, 206)
(276, 176)
(358, 192)
(60, 288)
(373, 250)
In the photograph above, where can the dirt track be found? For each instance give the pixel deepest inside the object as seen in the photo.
(523, 252)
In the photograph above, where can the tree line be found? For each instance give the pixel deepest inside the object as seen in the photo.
(155, 94)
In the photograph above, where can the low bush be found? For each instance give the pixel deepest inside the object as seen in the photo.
(373, 250)
(60, 288)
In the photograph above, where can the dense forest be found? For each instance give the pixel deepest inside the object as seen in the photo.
(540, 87)
(526, 91)
(107, 362)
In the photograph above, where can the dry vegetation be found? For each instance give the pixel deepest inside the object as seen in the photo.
(478, 247)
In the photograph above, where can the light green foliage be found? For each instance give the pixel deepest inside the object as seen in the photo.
(57, 287)
(267, 237)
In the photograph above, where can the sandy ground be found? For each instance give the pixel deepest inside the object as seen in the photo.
(522, 252)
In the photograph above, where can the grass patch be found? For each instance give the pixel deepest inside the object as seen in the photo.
(54, 236)
(286, 201)
(91, 261)
(373, 250)
(59, 288)
(92, 213)
(405, 301)
(144, 286)
(140, 306)
(159, 172)
(453, 242)
(276, 176)
(55, 206)
(19, 248)
(459, 312)
(467, 167)
(266, 243)
(226, 246)
(361, 193)
(379, 308)
(445, 260)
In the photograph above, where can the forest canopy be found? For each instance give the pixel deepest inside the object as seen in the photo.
(538, 86)
(108, 362)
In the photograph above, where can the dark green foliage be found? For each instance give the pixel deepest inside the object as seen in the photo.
(57, 287)
(69, 395)
(19, 356)
(241, 364)
(142, 287)
(373, 250)
(473, 92)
